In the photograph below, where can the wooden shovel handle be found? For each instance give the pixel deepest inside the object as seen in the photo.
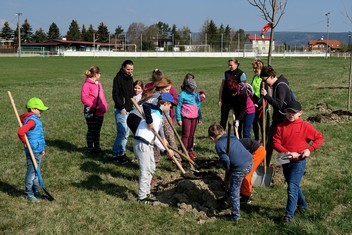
(159, 137)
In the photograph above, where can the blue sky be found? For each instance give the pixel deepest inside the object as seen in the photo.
(300, 15)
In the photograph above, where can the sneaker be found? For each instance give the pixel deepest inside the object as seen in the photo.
(245, 200)
(121, 159)
(32, 198)
(38, 195)
(89, 151)
(146, 201)
(287, 219)
(192, 154)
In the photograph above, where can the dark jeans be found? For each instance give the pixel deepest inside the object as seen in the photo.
(225, 110)
(246, 125)
(94, 124)
(269, 144)
(293, 173)
(258, 124)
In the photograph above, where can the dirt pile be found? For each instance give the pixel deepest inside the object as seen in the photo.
(328, 115)
(204, 197)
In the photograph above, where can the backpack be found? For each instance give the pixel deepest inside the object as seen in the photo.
(292, 95)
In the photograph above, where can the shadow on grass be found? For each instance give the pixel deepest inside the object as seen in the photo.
(64, 146)
(10, 189)
(118, 172)
(95, 183)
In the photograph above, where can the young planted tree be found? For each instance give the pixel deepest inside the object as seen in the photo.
(271, 11)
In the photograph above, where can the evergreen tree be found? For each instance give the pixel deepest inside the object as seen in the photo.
(26, 31)
(54, 32)
(74, 32)
(6, 31)
(102, 33)
(89, 34)
(84, 34)
(39, 36)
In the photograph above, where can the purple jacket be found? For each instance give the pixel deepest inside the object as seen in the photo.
(89, 95)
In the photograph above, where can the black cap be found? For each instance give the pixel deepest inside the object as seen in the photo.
(294, 106)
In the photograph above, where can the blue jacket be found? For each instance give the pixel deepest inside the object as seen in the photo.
(36, 135)
(239, 158)
(188, 106)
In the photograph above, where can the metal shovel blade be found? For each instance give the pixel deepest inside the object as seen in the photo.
(262, 177)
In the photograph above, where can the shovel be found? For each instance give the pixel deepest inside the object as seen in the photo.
(178, 164)
(263, 175)
(185, 155)
(40, 179)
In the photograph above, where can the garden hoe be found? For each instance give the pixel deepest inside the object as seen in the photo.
(178, 164)
(40, 179)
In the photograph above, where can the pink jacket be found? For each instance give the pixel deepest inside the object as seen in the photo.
(89, 95)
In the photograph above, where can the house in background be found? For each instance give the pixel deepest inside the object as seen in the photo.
(322, 45)
(260, 43)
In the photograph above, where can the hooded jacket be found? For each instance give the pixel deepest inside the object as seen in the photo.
(89, 96)
(281, 96)
(122, 91)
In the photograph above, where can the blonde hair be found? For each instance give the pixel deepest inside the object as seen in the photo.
(92, 71)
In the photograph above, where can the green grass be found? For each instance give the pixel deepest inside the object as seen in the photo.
(94, 196)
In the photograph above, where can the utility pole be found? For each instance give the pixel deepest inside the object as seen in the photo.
(19, 34)
(327, 34)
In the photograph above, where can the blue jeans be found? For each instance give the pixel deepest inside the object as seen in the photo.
(119, 147)
(235, 188)
(247, 125)
(293, 173)
(31, 180)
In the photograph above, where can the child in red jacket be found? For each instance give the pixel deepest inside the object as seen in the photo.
(299, 139)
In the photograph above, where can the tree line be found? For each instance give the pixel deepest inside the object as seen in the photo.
(218, 38)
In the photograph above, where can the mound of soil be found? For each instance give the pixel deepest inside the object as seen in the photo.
(203, 195)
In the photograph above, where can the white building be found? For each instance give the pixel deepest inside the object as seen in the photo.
(260, 44)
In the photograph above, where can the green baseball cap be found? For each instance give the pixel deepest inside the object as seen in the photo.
(36, 103)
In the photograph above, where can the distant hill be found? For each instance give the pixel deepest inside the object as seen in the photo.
(301, 38)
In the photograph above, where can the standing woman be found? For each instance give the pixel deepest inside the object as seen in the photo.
(95, 106)
(257, 84)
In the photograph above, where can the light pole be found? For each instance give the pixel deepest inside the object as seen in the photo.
(327, 34)
(19, 33)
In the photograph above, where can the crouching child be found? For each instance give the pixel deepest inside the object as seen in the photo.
(238, 163)
(144, 140)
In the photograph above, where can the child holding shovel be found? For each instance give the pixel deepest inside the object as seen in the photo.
(299, 139)
(144, 140)
(238, 163)
(33, 128)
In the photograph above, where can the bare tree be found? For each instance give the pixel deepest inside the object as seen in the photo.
(349, 17)
(270, 10)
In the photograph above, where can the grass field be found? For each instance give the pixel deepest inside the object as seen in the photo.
(94, 196)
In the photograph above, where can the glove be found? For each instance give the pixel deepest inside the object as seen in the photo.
(237, 123)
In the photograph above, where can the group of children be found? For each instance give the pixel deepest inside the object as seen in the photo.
(240, 157)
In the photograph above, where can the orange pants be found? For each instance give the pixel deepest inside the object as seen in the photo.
(258, 157)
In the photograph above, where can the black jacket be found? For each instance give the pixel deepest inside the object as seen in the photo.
(281, 96)
(122, 91)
